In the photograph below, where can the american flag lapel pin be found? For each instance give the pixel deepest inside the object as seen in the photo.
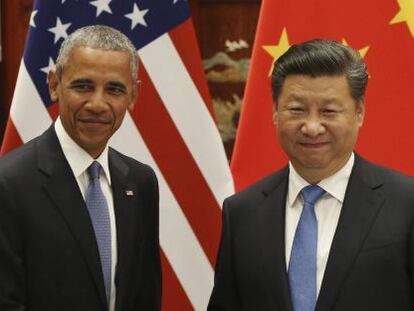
(129, 192)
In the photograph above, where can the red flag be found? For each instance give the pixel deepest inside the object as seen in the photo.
(383, 32)
(172, 127)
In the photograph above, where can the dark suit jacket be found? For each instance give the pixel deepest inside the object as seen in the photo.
(49, 258)
(371, 262)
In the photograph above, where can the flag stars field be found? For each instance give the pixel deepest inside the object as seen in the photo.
(406, 14)
(277, 50)
(32, 17)
(101, 6)
(137, 17)
(60, 30)
(50, 66)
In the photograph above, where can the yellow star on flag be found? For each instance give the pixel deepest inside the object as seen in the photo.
(363, 51)
(406, 14)
(277, 50)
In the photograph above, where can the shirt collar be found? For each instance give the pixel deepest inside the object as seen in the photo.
(79, 160)
(335, 184)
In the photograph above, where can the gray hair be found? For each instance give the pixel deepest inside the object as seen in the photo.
(97, 37)
(321, 57)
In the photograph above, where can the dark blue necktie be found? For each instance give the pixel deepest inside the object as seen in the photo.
(99, 213)
(302, 264)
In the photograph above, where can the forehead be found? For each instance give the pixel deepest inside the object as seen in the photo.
(100, 63)
(321, 89)
(321, 86)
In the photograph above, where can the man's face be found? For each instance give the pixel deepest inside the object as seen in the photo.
(94, 92)
(317, 123)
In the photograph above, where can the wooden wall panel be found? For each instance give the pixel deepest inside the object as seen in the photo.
(225, 31)
(14, 24)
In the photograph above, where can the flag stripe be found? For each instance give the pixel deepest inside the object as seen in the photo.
(178, 166)
(200, 134)
(185, 42)
(11, 138)
(177, 239)
(173, 294)
(24, 90)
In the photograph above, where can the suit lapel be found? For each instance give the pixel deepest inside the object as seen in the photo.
(271, 225)
(362, 203)
(63, 190)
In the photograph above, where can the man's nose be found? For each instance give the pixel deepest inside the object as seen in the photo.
(98, 102)
(313, 126)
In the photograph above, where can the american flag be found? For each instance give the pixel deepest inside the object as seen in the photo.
(172, 127)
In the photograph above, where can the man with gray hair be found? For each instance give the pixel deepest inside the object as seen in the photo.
(79, 220)
(329, 231)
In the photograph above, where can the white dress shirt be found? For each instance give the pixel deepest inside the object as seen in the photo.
(327, 209)
(79, 161)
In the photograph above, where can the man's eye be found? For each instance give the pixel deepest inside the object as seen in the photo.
(296, 109)
(329, 111)
(116, 90)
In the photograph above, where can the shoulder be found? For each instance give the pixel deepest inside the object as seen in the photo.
(258, 191)
(134, 167)
(376, 175)
(44, 148)
(19, 160)
(372, 172)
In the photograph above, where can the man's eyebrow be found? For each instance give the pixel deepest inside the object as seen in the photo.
(331, 99)
(81, 81)
(296, 97)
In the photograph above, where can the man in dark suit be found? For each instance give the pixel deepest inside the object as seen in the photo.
(79, 220)
(330, 231)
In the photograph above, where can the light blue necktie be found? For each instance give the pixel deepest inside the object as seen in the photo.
(99, 213)
(302, 264)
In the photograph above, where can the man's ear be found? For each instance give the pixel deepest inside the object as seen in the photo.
(360, 110)
(53, 83)
(135, 91)
(274, 114)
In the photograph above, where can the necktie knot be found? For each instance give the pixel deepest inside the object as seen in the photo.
(94, 170)
(312, 193)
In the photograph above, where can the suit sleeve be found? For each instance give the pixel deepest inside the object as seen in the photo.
(224, 296)
(12, 271)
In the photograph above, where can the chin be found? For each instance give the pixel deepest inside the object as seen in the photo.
(313, 164)
(93, 144)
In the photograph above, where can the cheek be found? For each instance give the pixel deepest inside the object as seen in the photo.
(71, 103)
(64, 111)
(286, 138)
(345, 135)
(288, 129)
(118, 112)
